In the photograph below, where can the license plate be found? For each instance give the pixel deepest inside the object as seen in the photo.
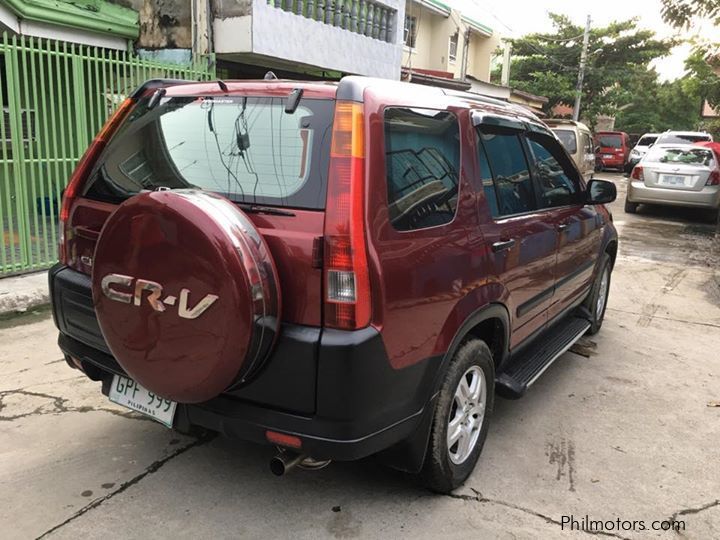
(673, 180)
(132, 395)
(607, 156)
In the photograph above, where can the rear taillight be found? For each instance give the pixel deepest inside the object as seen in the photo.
(714, 178)
(83, 168)
(347, 282)
(637, 173)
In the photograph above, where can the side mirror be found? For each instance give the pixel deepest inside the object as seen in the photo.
(597, 149)
(600, 192)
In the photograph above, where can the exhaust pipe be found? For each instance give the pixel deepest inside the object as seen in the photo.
(284, 462)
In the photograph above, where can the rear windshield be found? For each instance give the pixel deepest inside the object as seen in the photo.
(682, 155)
(677, 138)
(647, 140)
(610, 141)
(568, 139)
(245, 148)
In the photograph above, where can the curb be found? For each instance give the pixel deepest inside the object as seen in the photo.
(18, 294)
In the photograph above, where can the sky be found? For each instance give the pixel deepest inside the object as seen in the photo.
(514, 18)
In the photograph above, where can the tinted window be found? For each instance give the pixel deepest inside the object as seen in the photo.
(248, 149)
(422, 149)
(513, 184)
(610, 141)
(677, 138)
(557, 179)
(568, 139)
(647, 140)
(587, 143)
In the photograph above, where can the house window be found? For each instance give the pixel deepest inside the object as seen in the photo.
(452, 53)
(410, 31)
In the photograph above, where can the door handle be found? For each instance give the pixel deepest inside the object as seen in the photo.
(562, 226)
(503, 245)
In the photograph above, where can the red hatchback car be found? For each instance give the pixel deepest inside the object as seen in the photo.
(335, 269)
(613, 149)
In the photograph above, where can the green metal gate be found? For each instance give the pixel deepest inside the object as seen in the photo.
(54, 97)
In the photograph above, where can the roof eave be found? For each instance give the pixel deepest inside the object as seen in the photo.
(107, 19)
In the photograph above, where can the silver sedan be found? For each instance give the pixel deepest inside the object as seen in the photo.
(675, 174)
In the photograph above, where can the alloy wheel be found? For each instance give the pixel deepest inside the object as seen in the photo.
(466, 414)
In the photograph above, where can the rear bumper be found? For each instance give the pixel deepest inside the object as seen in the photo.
(613, 162)
(335, 390)
(707, 197)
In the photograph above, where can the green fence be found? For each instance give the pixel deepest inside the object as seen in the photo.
(54, 97)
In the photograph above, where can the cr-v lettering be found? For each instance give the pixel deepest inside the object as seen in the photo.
(384, 259)
(154, 298)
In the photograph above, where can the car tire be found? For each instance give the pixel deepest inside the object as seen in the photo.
(596, 302)
(630, 207)
(447, 465)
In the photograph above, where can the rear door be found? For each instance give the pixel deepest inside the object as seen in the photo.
(610, 148)
(560, 192)
(587, 166)
(272, 163)
(521, 238)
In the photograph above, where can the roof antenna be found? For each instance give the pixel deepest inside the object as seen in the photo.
(222, 85)
(270, 76)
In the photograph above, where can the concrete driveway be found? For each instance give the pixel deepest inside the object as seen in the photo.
(623, 427)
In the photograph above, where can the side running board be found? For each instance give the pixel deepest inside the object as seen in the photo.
(526, 368)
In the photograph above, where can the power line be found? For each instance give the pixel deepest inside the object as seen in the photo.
(562, 40)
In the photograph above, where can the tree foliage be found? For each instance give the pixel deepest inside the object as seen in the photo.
(660, 106)
(704, 63)
(680, 13)
(619, 53)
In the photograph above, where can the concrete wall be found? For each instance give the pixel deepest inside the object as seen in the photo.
(266, 31)
(421, 56)
(482, 50)
(164, 24)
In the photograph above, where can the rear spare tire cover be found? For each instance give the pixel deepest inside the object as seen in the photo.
(186, 293)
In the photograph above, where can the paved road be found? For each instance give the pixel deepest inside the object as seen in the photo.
(620, 428)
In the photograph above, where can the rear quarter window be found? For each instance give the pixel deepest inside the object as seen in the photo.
(422, 162)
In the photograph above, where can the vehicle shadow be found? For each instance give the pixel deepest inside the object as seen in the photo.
(681, 214)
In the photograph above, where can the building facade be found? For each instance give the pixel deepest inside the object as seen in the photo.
(442, 42)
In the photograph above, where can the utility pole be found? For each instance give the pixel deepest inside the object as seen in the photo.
(466, 47)
(581, 73)
(505, 73)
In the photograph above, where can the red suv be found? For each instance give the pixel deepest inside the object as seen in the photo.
(336, 269)
(613, 148)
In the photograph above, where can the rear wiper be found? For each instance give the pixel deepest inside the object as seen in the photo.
(257, 209)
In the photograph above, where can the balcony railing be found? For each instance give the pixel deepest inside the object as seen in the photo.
(360, 16)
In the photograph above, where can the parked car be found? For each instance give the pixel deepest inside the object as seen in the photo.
(683, 137)
(640, 149)
(613, 147)
(578, 141)
(675, 174)
(328, 268)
